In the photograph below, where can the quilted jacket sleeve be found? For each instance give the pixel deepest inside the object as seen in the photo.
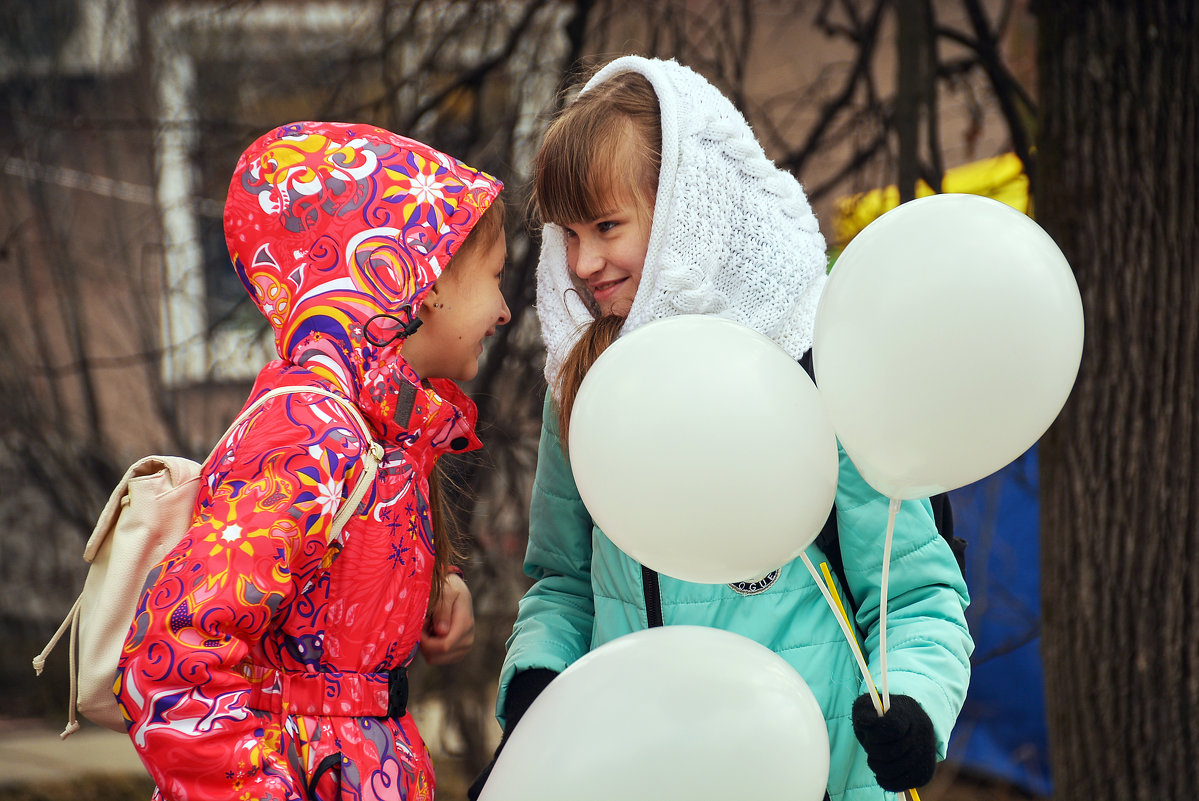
(928, 643)
(259, 531)
(555, 618)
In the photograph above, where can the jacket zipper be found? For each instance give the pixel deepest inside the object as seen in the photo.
(653, 597)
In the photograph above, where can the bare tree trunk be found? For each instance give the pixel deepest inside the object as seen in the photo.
(915, 88)
(1116, 187)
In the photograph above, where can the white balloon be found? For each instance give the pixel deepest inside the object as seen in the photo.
(703, 450)
(947, 340)
(674, 713)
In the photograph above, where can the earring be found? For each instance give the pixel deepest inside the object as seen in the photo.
(436, 305)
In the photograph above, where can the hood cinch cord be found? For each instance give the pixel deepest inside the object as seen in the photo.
(405, 330)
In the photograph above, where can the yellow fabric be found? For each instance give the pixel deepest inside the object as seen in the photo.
(1001, 178)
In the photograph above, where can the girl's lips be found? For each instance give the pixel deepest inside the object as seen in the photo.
(483, 341)
(605, 289)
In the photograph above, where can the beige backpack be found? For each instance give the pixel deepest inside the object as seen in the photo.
(148, 514)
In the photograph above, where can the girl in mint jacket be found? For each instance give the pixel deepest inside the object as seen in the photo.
(657, 200)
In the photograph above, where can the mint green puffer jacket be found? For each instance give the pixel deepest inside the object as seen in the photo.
(588, 592)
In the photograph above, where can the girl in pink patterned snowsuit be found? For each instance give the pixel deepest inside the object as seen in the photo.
(265, 662)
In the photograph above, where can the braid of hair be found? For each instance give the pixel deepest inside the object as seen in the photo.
(595, 340)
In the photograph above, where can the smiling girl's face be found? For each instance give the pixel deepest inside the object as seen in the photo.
(596, 177)
(464, 306)
(607, 254)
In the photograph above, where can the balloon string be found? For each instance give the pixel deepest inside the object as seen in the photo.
(892, 511)
(834, 603)
(829, 590)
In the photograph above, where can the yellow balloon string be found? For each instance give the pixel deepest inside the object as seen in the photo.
(832, 588)
(834, 603)
(828, 588)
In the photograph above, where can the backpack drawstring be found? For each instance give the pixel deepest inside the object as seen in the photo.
(39, 663)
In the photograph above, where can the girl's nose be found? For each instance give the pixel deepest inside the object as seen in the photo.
(588, 261)
(505, 314)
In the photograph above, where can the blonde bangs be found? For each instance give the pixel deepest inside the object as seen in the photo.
(573, 183)
(604, 148)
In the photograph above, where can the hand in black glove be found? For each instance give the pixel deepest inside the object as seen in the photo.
(522, 692)
(901, 747)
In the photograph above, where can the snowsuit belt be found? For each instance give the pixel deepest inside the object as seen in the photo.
(335, 694)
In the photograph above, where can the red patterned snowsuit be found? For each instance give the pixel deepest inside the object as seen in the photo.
(259, 657)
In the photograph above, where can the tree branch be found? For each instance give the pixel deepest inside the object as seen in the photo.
(865, 36)
(1008, 91)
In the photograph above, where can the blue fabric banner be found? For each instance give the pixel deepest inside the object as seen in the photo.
(1001, 732)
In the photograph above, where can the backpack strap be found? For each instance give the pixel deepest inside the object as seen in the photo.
(370, 458)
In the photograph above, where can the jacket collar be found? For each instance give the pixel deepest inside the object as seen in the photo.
(425, 419)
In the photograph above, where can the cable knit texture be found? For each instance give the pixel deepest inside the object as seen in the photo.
(733, 235)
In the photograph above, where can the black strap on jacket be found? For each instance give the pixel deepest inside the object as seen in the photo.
(397, 692)
(653, 596)
(397, 706)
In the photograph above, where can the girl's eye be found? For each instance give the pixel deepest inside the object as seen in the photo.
(605, 226)
(569, 233)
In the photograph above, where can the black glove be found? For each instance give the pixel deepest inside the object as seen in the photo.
(901, 747)
(522, 692)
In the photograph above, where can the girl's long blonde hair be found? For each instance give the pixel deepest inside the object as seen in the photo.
(604, 148)
(446, 537)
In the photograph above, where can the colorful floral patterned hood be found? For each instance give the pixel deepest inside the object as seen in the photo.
(337, 232)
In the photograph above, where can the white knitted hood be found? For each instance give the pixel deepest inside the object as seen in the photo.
(732, 236)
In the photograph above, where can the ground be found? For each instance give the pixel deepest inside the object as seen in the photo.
(101, 765)
(98, 765)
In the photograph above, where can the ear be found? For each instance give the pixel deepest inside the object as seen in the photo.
(432, 298)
